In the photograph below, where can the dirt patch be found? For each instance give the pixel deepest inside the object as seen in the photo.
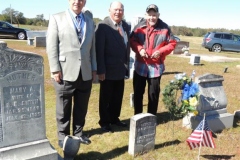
(212, 58)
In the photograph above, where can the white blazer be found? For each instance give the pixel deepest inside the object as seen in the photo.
(65, 53)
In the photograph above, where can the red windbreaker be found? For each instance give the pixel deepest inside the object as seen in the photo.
(156, 38)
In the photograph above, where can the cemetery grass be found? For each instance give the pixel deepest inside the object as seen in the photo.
(170, 143)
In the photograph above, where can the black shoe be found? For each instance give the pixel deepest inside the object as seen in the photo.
(106, 129)
(84, 139)
(121, 124)
(60, 143)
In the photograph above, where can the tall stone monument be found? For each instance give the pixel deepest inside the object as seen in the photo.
(212, 103)
(142, 133)
(22, 107)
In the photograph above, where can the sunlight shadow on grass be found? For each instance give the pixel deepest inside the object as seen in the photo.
(96, 131)
(118, 151)
(176, 72)
(103, 156)
(165, 117)
(169, 143)
(218, 157)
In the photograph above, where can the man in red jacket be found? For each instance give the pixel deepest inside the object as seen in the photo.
(152, 41)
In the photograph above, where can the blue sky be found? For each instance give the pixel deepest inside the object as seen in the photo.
(189, 13)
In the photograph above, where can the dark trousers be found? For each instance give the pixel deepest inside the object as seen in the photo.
(139, 84)
(110, 101)
(67, 92)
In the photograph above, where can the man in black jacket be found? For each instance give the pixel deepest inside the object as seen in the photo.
(113, 50)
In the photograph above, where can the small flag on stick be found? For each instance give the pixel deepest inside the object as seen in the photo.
(201, 136)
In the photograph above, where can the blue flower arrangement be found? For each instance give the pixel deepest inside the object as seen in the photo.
(188, 96)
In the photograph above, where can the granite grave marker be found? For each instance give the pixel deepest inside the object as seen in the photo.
(195, 59)
(22, 107)
(212, 103)
(32, 34)
(40, 41)
(179, 46)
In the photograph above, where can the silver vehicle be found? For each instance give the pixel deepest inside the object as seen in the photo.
(221, 41)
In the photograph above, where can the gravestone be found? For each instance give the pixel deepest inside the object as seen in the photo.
(179, 46)
(22, 107)
(40, 41)
(132, 99)
(195, 59)
(32, 34)
(212, 104)
(142, 133)
(131, 70)
(131, 64)
(237, 113)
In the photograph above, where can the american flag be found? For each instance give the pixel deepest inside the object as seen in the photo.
(202, 134)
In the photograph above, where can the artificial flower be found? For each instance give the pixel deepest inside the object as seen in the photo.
(189, 95)
(193, 101)
(195, 112)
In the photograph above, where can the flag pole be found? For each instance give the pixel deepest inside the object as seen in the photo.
(199, 151)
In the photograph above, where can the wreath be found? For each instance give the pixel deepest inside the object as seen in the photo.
(180, 96)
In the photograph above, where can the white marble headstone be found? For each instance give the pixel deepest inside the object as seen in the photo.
(142, 133)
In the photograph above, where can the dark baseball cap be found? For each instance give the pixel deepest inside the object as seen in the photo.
(153, 7)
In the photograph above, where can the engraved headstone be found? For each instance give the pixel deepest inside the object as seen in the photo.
(142, 133)
(179, 46)
(40, 41)
(195, 59)
(32, 34)
(212, 104)
(22, 107)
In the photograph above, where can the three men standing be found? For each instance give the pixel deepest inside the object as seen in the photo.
(74, 62)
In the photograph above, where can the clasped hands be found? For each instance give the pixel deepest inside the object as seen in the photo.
(144, 54)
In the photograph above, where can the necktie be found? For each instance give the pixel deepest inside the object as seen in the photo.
(79, 28)
(120, 30)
